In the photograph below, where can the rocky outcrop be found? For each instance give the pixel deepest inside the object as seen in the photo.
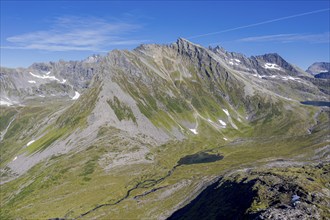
(271, 193)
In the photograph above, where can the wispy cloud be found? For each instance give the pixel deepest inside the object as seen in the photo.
(77, 34)
(289, 38)
(259, 23)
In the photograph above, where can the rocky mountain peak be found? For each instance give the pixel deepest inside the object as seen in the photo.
(318, 67)
(181, 40)
(92, 59)
(186, 45)
(274, 58)
(41, 66)
(218, 48)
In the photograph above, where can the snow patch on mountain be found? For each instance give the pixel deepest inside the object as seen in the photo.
(3, 102)
(272, 66)
(234, 62)
(226, 111)
(289, 78)
(30, 142)
(193, 130)
(47, 76)
(76, 95)
(7, 102)
(32, 81)
(222, 122)
(257, 75)
(285, 78)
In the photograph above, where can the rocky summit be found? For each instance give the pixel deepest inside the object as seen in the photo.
(318, 67)
(173, 131)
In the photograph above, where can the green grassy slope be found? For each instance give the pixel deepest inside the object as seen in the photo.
(122, 176)
(80, 183)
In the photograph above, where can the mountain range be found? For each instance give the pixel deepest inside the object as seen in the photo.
(164, 131)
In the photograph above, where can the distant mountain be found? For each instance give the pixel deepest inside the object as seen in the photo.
(137, 134)
(318, 67)
(324, 75)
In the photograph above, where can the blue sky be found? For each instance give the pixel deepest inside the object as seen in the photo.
(38, 31)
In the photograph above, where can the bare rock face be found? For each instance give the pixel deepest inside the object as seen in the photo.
(318, 67)
(302, 211)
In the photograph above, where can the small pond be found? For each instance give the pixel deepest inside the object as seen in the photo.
(316, 103)
(200, 157)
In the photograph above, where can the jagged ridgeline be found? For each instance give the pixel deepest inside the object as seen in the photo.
(140, 133)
